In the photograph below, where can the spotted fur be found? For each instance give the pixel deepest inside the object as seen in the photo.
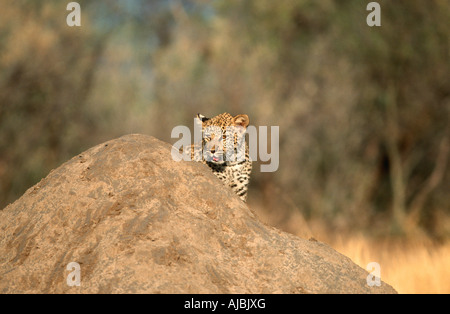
(233, 172)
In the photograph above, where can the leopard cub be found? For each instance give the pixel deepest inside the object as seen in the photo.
(225, 151)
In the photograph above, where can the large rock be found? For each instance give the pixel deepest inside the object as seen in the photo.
(136, 222)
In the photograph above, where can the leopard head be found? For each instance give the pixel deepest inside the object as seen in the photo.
(221, 133)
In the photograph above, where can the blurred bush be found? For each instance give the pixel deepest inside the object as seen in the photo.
(46, 73)
(363, 111)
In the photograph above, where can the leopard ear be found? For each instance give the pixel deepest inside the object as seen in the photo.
(241, 120)
(202, 117)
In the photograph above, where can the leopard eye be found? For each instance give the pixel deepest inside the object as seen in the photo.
(208, 136)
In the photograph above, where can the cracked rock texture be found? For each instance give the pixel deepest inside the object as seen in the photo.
(138, 222)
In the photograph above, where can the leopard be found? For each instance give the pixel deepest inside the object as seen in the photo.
(224, 150)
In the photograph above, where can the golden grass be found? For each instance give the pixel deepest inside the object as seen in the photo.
(415, 266)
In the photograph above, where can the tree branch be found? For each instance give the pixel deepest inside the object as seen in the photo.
(431, 183)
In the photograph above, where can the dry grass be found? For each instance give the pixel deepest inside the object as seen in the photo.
(416, 265)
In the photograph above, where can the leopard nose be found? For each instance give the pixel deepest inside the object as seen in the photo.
(213, 150)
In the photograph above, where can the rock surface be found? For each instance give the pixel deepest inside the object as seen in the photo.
(137, 222)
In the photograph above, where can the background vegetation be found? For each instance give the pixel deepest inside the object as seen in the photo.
(363, 111)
